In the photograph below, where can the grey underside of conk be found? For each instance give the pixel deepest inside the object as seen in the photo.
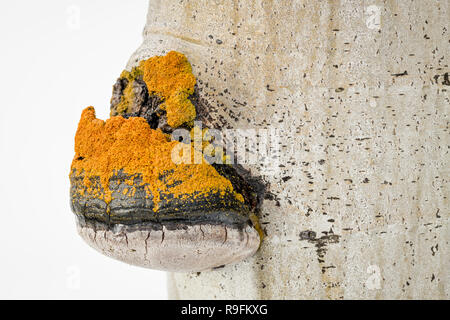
(359, 208)
(185, 248)
(194, 233)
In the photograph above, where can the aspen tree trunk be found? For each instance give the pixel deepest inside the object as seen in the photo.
(358, 205)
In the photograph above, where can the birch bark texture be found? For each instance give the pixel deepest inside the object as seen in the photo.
(358, 92)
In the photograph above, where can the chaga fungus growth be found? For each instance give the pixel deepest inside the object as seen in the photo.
(133, 203)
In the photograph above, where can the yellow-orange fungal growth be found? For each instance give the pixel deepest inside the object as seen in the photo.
(103, 148)
(170, 77)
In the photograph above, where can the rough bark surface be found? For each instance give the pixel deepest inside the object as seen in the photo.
(359, 205)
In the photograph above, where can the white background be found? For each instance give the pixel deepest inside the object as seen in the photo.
(51, 68)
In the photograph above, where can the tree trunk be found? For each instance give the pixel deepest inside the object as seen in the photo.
(358, 93)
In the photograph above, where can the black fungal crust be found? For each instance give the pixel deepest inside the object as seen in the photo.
(117, 93)
(252, 188)
(171, 224)
(135, 207)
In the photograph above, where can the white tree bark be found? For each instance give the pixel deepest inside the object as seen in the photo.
(360, 90)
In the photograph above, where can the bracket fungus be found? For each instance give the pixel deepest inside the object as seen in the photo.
(133, 203)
